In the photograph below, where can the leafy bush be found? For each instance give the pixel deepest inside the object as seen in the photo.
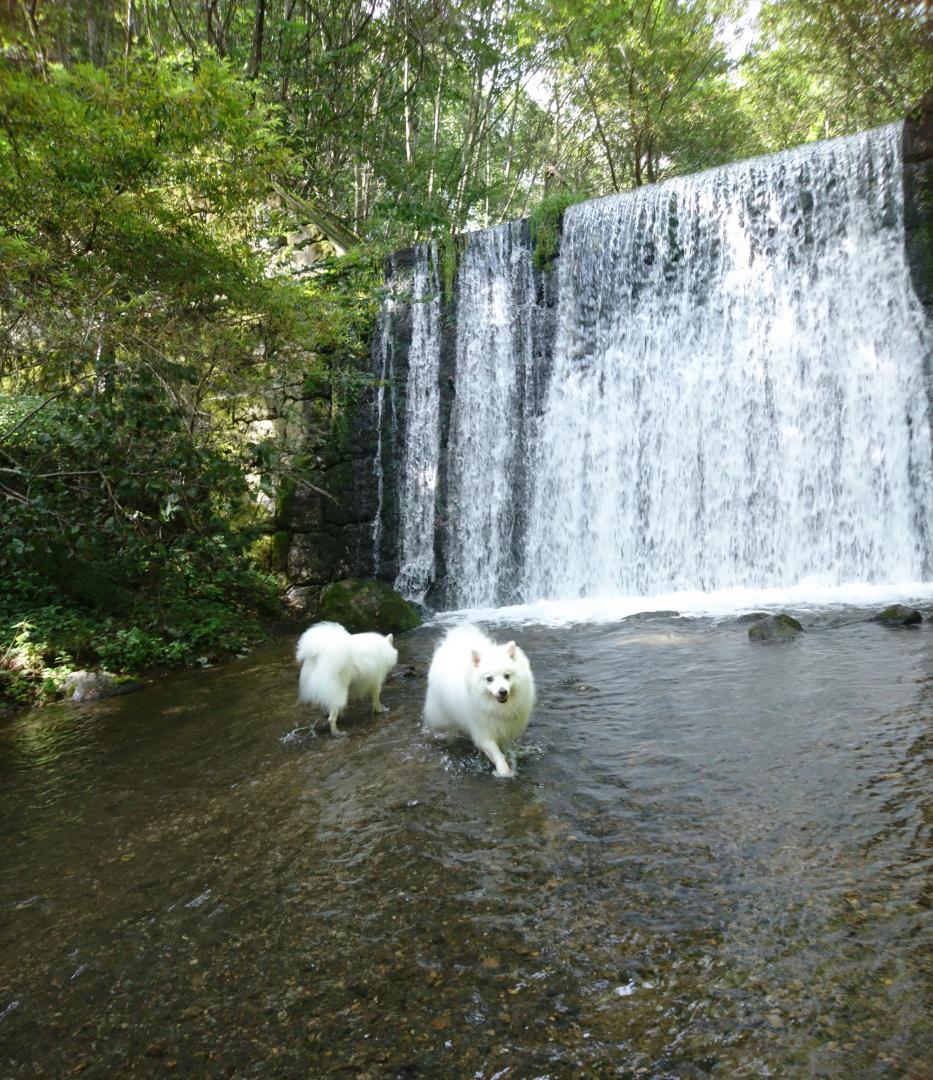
(116, 542)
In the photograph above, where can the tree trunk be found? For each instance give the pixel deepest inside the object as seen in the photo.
(130, 28)
(437, 124)
(259, 29)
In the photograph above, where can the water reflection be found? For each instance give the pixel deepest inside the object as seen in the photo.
(712, 862)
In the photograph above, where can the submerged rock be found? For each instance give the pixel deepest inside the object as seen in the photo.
(361, 605)
(577, 686)
(898, 615)
(651, 616)
(751, 616)
(780, 627)
(94, 685)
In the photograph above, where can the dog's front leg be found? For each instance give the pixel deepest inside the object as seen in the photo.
(495, 755)
(332, 717)
(378, 707)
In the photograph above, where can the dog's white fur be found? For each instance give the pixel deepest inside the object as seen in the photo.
(337, 665)
(481, 690)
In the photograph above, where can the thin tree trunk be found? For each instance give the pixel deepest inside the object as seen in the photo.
(32, 21)
(215, 35)
(405, 88)
(181, 29)
(437, 124)
(259, 29)
(130, 28)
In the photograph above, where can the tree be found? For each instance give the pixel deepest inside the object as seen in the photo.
(641, 90)
(134, 311)
(818, 70)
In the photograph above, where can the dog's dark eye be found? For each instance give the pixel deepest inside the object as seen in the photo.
(488, 678)
(507, 676)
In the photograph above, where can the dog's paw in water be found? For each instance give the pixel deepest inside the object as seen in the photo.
(297, 736)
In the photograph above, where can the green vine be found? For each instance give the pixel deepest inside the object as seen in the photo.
(545, 221)
(448, 258)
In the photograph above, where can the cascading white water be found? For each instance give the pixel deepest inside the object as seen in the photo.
(418, 486)
(495, 287)
(385, 389)
(737, 395)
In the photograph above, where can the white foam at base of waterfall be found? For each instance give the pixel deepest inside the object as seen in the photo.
(692, 603)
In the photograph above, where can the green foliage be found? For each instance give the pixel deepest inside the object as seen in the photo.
(116, 546)
(643, 88)
(408, 119)
(137, 237)
(818, 70)
(138, 321)
(545, 221)
(448, 257)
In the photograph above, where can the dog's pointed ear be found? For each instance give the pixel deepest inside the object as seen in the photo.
(475, 656)
(512, 649)
(389, 638)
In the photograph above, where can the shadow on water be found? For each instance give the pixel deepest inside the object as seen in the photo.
(711, 863)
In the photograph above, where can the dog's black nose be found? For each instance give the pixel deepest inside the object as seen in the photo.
(503, 694)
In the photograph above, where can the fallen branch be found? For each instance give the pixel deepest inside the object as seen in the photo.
(334, 230)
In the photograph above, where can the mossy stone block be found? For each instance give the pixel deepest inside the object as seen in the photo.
(363, 605)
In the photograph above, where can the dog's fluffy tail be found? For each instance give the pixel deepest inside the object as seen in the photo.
(467, 636)
(319, 638)
(323, 651)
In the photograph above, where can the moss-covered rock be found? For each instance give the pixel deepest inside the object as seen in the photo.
(898, 615)
(361, 605)
(82, 686)
(780, 627)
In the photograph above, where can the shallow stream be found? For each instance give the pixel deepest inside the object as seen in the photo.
(714, 861)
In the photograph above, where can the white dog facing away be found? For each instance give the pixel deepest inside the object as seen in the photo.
(481, 690)
(337, 665)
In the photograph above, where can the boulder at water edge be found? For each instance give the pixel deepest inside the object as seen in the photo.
(779, 627)
(94, 685)
(362, 605)
(898, 615)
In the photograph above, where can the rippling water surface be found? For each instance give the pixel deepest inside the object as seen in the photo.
(714, 861)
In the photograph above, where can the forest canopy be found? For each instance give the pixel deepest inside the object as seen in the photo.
(155, 153)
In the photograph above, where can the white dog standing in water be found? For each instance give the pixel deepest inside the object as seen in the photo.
(337, 665)
(481, 690)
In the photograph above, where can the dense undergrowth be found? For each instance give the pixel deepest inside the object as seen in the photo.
(122, 542)
(148, 335)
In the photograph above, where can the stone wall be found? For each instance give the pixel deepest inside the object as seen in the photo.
(324, 519)
(918, 198)
(918, 212)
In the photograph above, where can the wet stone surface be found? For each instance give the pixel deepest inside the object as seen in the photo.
(710, 864)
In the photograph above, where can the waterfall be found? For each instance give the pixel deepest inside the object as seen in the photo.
(422, 449)
(738, 394)
(406, 414)
(486, 489)
(734, 395)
